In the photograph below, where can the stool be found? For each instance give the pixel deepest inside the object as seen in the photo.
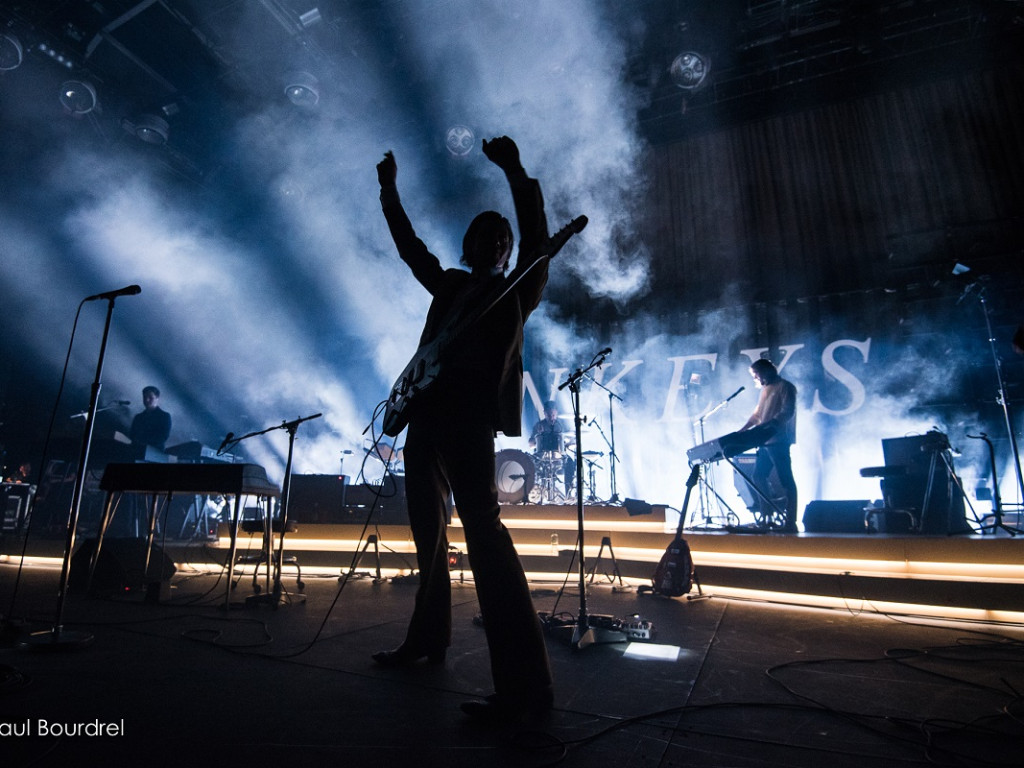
(266, 553)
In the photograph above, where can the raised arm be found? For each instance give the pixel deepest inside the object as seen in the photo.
(425, 266)
(530, 216)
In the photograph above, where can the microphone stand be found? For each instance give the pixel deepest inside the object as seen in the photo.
(59, 638)
(709, 482)
(274, 596)
(583, 633)
(107, 407)
(1003, 400)
(612, 455)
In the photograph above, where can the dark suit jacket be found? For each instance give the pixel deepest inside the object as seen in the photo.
(151, 428)
(482, 376)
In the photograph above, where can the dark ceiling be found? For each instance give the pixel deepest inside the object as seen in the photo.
(195, 62)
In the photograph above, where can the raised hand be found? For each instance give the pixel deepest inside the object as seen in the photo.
(503, 152)
(387, 170)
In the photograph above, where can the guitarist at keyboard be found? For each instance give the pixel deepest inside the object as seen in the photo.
(465, 391)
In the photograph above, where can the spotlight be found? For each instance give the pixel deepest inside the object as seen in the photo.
(689, 70)
(150, 129)
(302, 89)
(310, 17)
(78, 97)
(11, 52)
(289, 189)
(459, 139)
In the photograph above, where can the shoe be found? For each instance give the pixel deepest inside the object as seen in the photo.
(404, 656)
(497, 709)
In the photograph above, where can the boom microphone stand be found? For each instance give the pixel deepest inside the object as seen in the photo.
(583, 633)
(59, 638)
(1003, 399)
(613, 457)
(274, 597)
(610, 442)
(708, 484)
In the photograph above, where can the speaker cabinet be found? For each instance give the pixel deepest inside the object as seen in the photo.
(119, 567)
(835, 516)
(318, 499)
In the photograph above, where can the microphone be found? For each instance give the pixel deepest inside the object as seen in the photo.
(730, 397)
(122, 402)
(128, 290)
(605, 351)
(227, 439)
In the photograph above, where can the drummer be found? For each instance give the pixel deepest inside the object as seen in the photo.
(548, 442)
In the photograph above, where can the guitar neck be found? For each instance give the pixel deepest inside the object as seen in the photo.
(545, 251)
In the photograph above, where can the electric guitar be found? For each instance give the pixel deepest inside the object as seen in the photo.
(675, 574)
(425, 366)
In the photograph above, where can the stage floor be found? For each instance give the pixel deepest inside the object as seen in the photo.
(737, 683)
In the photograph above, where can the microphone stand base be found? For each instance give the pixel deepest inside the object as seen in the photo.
(274, 600)
(57, 639)
(581, 635)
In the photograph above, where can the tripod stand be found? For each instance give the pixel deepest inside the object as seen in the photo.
(997, 500)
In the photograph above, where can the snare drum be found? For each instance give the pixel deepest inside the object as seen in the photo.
(513, 474)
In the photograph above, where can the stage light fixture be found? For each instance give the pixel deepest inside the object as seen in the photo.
(151, 129)
(78, 97)
(56, 55)
(310, 17)
(459, 140)
(689, 70)
(302, 89)
(11, 52)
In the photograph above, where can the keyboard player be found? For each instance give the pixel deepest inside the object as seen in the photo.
(776, 407)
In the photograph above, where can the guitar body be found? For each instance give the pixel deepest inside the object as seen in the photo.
(417, 377)
(422, 371)
(674, 575)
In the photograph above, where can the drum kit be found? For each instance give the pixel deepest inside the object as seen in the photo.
(548, 476)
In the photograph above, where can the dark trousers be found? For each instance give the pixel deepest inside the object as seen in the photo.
(440, 455)
(776, 455)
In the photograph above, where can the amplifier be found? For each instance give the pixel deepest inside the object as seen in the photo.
(15, 500)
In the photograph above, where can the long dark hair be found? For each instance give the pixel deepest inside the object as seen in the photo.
(482, 223)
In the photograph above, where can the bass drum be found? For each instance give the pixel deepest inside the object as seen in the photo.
(513, 474)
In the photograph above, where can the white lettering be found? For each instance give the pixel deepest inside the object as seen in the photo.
(91, 729)
(843, 376)
(677, 384)
(786, 349)
(15, 729)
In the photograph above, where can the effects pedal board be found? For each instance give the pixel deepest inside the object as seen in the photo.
(636, 628)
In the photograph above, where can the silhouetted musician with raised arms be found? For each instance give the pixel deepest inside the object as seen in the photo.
(776, 408)
(450, 440)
